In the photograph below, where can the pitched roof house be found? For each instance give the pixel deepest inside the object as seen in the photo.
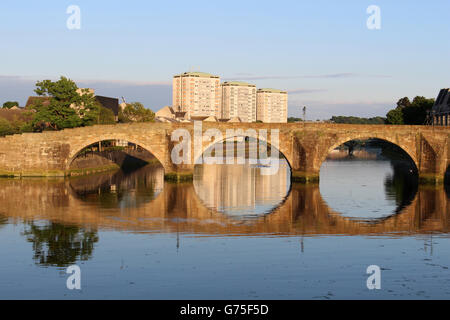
(440, 112)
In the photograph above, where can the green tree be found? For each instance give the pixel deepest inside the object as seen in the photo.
(5, 127)
(294, 119)
(105, 116)
(10, 104)
(67, 107)
(357, 120)
(403, 103)
(98, 114)
(416, 113)
(395, 116)
(411, 113)
(351, 145)
(17, 124)
(136, 112)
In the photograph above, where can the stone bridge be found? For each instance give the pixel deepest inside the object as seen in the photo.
(305, 146)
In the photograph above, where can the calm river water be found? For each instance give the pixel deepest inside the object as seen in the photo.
(231, 234)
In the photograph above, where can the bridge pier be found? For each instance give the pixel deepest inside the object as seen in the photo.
(178, 173)
(313, 178)
(305, 177)
(179, 176)
(431, 178)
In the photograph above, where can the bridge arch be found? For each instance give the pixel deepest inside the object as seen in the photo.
(408, 149)
(282, 149)
(76, 148)
(200, 188)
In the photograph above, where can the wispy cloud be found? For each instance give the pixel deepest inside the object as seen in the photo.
(244, 74)
(16, 78)
(318, 76)
(305, 91)
(126, 83)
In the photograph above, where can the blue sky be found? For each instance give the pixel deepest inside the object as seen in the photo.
(320, 51)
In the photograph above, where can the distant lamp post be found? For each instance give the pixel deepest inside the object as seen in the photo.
(304, 114)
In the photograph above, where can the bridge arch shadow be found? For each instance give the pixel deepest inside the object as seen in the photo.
(447, 180)
(403, 150)
(133, 153)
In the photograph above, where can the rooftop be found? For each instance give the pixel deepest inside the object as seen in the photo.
(35, 101)
(442, 103)
(196, 74)
(16, 114)
(271, 90)
(238, 83)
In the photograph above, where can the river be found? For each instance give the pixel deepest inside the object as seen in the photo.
(233, 233)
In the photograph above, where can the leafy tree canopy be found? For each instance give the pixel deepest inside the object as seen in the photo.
(403, 103)
(357, 120)
(136, 112)
(68, 107)
(294, 119)
(411, 113)
(395, 116)
(106, 116)
(5, 127)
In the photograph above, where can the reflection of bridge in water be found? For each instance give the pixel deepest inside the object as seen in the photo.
(177, 208)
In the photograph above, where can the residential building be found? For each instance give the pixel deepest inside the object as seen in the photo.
(272, 105)
(37, 101)
(239, 101)
(20, 114)
(109, 103)
(440, 113)
(198, 94)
